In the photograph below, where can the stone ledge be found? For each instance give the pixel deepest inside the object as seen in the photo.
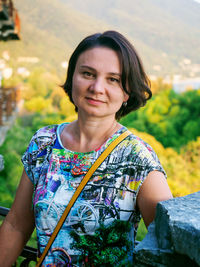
(173, 239)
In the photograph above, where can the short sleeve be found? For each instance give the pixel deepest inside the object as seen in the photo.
(144, 160)
(28, 157)
(43, 138)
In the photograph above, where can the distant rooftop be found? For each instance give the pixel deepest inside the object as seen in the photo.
(180, 86)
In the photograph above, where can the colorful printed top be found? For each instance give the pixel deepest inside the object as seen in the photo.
(109, 195)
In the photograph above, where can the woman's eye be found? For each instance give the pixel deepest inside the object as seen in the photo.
(87, 74)
(115, 80)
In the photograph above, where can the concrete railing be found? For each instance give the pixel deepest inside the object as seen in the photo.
(8, 103)
(173, 239)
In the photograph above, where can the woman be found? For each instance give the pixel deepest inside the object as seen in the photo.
(105, 81)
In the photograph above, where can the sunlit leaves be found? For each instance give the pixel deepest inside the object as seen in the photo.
(183, 169)
(39, 104)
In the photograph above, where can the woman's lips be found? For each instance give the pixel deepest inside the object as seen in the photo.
(94, 101)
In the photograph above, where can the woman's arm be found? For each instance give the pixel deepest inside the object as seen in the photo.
(18, 224)
(153, 190)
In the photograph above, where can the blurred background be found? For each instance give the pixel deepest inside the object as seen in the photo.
(36, 41)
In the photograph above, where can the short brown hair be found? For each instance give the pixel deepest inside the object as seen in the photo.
(134, 79)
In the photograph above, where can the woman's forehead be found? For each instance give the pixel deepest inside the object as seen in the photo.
(100, 57)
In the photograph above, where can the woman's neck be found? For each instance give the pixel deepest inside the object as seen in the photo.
(88, 135)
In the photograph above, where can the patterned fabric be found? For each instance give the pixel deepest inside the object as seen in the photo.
(109, 195)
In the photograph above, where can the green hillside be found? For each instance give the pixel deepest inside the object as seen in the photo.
(164, 32)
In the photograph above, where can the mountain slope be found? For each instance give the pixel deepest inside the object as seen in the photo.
(163, 32)
(171, 28)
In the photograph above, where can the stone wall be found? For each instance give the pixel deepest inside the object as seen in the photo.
(173, 239)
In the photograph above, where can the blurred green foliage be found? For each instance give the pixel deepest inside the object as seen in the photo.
(173, 119)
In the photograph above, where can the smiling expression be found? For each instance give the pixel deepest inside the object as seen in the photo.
(96, 85)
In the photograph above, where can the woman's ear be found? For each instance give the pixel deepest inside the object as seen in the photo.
(126, 97)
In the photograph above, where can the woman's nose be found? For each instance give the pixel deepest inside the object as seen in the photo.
(97, 86)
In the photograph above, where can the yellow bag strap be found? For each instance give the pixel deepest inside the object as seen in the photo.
(82, 184)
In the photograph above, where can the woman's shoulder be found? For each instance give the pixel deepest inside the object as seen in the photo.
(136, 141)
(46, 132)
(141, 153)
(43, 137)
(138, 147)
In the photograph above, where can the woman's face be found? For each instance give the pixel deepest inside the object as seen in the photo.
(96, 84)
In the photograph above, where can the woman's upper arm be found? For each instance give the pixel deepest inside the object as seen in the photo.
(153, 190)
(21, 214)
(18, 224)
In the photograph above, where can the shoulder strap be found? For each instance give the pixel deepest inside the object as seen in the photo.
(79, 189)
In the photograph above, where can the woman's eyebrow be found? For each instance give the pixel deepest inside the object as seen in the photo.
(93, 69)
(87, 67)
(114, 74)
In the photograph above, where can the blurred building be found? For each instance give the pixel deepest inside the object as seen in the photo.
(9, 21)
(9, 30)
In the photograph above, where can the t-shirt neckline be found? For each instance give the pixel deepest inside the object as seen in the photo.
(105, 144)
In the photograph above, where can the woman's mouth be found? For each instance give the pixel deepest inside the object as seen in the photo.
(93, 101)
